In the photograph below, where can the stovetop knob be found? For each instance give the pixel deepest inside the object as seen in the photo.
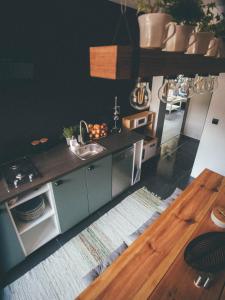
(19, 176)
(16, 183)
(31, 177)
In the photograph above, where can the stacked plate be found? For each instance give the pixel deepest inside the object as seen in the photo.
(31, 210)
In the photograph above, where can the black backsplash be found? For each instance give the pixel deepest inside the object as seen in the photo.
(55, 37)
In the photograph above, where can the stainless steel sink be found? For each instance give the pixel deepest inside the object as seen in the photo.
(87, 151)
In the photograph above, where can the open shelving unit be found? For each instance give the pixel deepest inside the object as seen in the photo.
(35, 233)
(125, 62)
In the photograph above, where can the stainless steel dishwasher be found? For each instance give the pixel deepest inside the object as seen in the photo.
(122, 170)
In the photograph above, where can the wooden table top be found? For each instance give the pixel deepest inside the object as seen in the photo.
(153, 266)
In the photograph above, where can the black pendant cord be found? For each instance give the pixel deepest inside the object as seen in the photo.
(123, 16)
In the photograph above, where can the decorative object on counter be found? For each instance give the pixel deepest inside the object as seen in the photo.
(97, 131)
(68, 133)
(218, 216)
(186, 14)
(40, 145)
(19, 172)
(116, 117)
(31, 210)
(138, 120)
(140, 97)
(206, 254)
(153, 23)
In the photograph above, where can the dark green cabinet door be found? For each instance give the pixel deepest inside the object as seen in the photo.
(71, 199)
(11, 252)
(99, 183)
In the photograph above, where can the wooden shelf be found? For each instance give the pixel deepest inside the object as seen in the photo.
(125, 62)
(23, 226)
(29, 196)
(39, 235)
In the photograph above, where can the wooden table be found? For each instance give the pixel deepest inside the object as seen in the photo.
(153, 266)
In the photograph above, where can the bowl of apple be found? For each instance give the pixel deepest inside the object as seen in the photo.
(97, 131)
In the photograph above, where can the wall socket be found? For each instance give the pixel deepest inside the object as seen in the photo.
(215, 121)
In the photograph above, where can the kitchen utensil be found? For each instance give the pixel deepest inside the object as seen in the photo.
(206, 253)
(116, 128)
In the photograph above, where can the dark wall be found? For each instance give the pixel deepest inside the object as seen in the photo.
(55, 36)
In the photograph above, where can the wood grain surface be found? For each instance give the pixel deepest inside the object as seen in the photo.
(139, 272)
(125, 62)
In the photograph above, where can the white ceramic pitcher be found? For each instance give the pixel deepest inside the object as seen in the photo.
(153, 30)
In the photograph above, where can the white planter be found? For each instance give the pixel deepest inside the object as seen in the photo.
(68, 141)
(199, 42)
(221, 49)
(213, 47)
(153, 30)
(179, 40)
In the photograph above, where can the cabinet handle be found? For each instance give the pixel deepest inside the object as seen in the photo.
(91, 168)
(58, 182)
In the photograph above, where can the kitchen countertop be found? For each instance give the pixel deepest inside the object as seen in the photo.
(60, 160)
(153, 267)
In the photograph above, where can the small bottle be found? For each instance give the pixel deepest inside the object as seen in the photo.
(73, 144)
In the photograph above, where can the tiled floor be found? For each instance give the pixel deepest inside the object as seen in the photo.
(161, 175)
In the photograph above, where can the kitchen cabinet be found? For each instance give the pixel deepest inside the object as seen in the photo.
(11, 254)
(71, 199)
(82, 192)
(99, 183)
(122, 170)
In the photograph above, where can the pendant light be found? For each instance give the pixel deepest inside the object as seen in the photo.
(141, 95)
(169, 88)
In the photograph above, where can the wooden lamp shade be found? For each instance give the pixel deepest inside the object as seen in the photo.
(111, 62)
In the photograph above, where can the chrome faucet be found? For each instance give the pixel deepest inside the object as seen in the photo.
(81, 135)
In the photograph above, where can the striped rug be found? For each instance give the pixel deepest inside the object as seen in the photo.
(67, 272)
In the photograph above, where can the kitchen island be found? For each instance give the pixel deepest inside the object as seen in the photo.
(153, 266)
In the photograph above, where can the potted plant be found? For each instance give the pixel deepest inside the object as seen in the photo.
(199, 41)
(153, 23)
(68, 133)
(218, 29)
(186, 14)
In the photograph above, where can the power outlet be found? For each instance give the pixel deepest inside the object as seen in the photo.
(215, 121)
